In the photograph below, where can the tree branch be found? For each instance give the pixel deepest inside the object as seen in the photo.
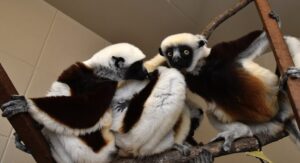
(240, 145)
(214, 23)
(24, 124)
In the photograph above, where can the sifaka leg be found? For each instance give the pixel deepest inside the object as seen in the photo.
(230, 131)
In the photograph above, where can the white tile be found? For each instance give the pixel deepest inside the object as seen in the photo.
(143, 23)
(283, 150)
(68, 42)
(24, 26)
(14, 155)
(40, 84)
(3, 141)
(18, 71)
(192, 9)
(5, 126)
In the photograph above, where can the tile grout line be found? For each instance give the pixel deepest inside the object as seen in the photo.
(5, 148)
(31, 78)
(1, 134)
(8, 54)
(181, 12)
(41, 53)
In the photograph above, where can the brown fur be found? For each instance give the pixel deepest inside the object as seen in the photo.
(251, 105)
(223, 80)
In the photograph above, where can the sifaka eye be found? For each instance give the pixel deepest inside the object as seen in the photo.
(186, 52)
(170, 53)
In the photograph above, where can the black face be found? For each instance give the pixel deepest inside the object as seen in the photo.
(136, 71)
(183, 60)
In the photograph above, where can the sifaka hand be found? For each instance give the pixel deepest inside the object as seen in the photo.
(16, 105)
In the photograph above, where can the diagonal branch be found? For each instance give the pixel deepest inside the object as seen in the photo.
(24, 124)
(215, 22)
(241, 145)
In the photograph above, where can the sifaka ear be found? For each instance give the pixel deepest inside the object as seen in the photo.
(160, 52)
(118, 61)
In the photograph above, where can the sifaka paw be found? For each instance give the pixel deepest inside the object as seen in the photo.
(230, 137)
(293, 72)
(183, 149)
(20, 145)
(276, 17)
(16, 105)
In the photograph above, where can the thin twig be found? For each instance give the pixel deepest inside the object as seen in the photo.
(214, 23)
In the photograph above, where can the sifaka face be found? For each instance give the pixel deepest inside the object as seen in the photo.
(181, 50)
(179, 56)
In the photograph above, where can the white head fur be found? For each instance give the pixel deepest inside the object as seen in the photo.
(129, 52)
(115, 61)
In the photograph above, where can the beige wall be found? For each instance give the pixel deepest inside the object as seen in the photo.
(37, 42)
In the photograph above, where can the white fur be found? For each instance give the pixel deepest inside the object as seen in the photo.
(184, 126)
(124, 93)
(213, 108)
(166, 143)
(59, 89)
(161, 111)
(256, 48)
(294, 48)
(177, 39)
(265, 75)
(70, 149)
(127, 51)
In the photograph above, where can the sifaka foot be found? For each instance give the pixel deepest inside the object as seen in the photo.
(230, 136)
(183, 149)
(20, 145)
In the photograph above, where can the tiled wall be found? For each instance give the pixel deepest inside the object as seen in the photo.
(36, 43)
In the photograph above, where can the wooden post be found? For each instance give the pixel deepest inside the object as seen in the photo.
(24, 124)
(281, 52)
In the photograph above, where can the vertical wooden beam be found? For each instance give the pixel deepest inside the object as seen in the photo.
(281, 52)
(24, 124)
